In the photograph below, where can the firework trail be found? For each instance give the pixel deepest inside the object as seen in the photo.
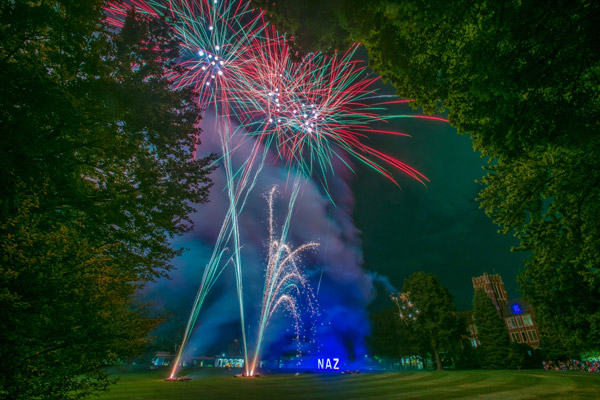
(309, 112)
(283, 279)
(316, 110)
(217, 39)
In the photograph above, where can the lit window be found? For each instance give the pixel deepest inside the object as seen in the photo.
(527, 320)
(515, 338)
(530, 333)
(519, 322)
(510, 322)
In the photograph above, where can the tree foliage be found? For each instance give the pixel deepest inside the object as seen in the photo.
(491, 333)
(522, 78)
(551, 201)
(384, 340)
(98, 175)
(437, 328)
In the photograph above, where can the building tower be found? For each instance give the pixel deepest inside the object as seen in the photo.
(494, 288)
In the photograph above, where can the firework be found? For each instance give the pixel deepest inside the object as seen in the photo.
(316, 111)
(218, 40)
(284, 281)
(309, 113)
(407, 310)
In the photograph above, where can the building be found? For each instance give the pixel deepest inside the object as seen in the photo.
(517, 314)
(520, 324)
(162, 358)
(493, 285)
(467, 316)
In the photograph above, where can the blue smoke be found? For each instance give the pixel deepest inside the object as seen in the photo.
(342, 288)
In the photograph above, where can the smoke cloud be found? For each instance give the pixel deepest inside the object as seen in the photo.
(341, 286)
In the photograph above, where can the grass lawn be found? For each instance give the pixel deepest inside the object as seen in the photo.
(214, 383)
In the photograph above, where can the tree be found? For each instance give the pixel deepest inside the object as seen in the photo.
(463, 354)
(524, 81)
(384, 339)
(98, 175)
(491, 333)
(67, 314)
(437, 325)
(551, 203)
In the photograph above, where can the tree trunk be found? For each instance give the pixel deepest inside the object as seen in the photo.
(438, 360)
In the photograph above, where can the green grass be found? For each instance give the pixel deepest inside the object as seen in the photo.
(213, 383)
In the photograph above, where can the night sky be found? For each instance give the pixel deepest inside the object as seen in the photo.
(436, 228)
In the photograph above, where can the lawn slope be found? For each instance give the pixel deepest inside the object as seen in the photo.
(216, 384)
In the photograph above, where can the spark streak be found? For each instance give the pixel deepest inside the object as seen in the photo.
(284, 281)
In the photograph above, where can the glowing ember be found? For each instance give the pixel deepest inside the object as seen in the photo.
(178, 379)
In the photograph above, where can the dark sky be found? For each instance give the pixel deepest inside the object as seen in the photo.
(436, 228)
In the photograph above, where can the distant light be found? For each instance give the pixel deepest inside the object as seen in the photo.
(212, 76)
(203, 68)
(200, 53)
(210, 28)
(221, 62)
(210, 56)
(217, 47)
(216, 58)
(220, 73)
(207, 83)
(270, 120)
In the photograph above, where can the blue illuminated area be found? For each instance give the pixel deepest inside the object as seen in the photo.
(516, 308)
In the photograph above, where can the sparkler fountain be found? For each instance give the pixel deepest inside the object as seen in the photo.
(283, 279)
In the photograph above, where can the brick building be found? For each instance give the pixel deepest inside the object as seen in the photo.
(519, 320)
(517, 315)
(494, 288)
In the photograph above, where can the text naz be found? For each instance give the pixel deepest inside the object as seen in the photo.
(328, 363)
